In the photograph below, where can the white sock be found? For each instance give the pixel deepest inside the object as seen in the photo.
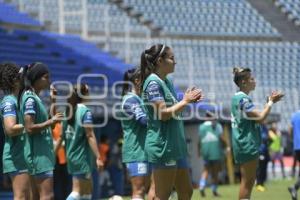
(73, 196)
(137, 198)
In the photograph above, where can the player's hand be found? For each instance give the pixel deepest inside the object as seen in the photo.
(276, 96)
(58, 117)
(100, 164)
(193, 95)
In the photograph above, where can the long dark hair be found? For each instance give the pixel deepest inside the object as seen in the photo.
(29, 74)
(149, 59)
(9, 74)
(129, 77)
(77, 92)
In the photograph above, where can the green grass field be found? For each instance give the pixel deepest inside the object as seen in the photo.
(276, 190)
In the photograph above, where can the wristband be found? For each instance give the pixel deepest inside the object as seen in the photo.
(270, 103)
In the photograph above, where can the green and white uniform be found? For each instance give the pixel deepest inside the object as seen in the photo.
(134, 129)
(165, 140)
(13, 158)
(210, 141)
(246, 137)
(41, 157)
(80, 158)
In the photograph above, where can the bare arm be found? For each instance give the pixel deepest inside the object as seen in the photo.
(33, 128)
(166, 113)
(89, 131)
(260, 116)
(11, 128)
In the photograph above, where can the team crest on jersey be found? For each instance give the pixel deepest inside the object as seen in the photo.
(142, 168)
(7, 107)
(70, 132)
(209, 137)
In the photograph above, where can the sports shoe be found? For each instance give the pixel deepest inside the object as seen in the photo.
(216, 194)
(260, 188)
(293, 192)
(202, 193)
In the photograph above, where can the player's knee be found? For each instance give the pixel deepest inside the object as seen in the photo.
(140, 191)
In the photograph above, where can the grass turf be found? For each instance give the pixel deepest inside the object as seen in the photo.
(276, 190)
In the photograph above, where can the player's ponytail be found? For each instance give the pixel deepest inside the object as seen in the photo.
(149, 60)
(129, 79)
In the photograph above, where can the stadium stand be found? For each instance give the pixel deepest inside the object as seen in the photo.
(97, 22)
(65, 62)
(205, 17)
(9, 14)
(291, 8)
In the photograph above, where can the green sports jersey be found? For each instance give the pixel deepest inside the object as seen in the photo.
(134, 133)
(41, 156)
(80, 158)
(246, 137)
(210, 141)
(13, 157)
(165, 140)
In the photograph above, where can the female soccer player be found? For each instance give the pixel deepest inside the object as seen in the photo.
(34, 116)
(134, 124)
(14, 162)
(165, 141)
(80, 144)
(246, 129)
(211, 138)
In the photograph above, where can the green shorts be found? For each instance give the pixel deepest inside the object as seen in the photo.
(242, 157)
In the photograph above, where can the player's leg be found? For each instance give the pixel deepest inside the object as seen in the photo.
(21, 185)
(183, 183)
(248, 175)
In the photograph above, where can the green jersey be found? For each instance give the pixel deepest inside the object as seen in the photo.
(165, 140)
(13, 157)
(41, 156)
(134, 129)
(245, 132)
(80, 158)
(210, 141)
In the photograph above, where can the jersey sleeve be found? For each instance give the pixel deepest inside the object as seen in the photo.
(30, 107)
(9, 109)
(246, 104)
(132, 107)
(154, 92)
(87, 118)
